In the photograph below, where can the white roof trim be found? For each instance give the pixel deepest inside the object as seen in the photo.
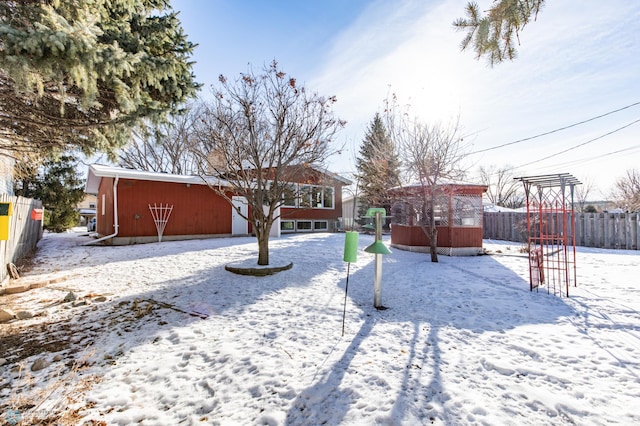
(332, 175)
(99, 171)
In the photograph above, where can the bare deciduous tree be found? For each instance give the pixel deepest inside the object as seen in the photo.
(261, 132)
(626, 191)
(581, 193)
(502, 189)
(431, 155)
(165, 147)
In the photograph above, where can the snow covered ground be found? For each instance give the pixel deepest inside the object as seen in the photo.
(179, 340)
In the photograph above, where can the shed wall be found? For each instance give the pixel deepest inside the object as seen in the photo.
(447, 237)
(104, 214)
(197, 210)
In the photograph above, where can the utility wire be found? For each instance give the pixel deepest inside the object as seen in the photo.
(579, 145)
(577, 161)
(596, 157)
(556, 130)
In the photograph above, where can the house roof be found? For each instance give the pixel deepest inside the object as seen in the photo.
(99, 171)
(332, 175)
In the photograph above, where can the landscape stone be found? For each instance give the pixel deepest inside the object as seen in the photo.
(100, 299)
(2, 362)
(39, 364)
(17, 288)
(70, 297)
(6, 315)
(24, 315)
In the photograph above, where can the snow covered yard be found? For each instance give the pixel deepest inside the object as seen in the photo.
(167, 336)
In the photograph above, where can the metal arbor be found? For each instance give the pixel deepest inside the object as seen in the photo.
(551, 231)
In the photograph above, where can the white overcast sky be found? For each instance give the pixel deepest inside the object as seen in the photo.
(579, 60)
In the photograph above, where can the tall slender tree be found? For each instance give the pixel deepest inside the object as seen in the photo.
(77, 73)
(378, 167)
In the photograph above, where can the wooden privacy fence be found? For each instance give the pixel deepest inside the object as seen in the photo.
(24, 232)
(601, 230)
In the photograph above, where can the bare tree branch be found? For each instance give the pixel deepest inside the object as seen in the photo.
(502, 189)
(626, 191)
(261, 132)
(165, 147)
(431, 155)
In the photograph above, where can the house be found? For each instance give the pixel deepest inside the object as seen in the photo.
(458, 214)
(87, 208)
(350, 208)
(131, 203)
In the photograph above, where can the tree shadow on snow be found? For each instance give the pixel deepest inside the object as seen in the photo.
(471, 295)
(433, 306)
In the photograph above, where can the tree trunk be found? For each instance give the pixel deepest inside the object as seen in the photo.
(433, 243)
(263, 248)
(263, 229)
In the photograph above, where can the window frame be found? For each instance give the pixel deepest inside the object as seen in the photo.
(309, 229)
(316, 222)
(286, 222)
(316, 197)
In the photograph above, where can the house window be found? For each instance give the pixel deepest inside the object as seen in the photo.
(289, 196)
(305, 196)
(303, 225)
(320, 225)
(327, 200)
(318, 197)
(92, 205)
(287, 226)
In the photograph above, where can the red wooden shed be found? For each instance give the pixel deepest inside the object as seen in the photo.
(458, 213)
(126, 199)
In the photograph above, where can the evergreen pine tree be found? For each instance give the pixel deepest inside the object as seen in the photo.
(494, 32)
(378, 168)
(57, 184)
(77, 73)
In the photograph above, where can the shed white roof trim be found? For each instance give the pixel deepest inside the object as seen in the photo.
(99, 171)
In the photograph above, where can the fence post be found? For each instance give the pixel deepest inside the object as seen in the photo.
(25, 232)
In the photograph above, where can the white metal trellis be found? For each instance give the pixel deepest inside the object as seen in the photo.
(160, 217)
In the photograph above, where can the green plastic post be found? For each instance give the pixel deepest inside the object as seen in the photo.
(351, 246)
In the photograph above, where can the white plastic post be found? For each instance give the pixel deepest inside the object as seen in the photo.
(377, 283)
(160, 217)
